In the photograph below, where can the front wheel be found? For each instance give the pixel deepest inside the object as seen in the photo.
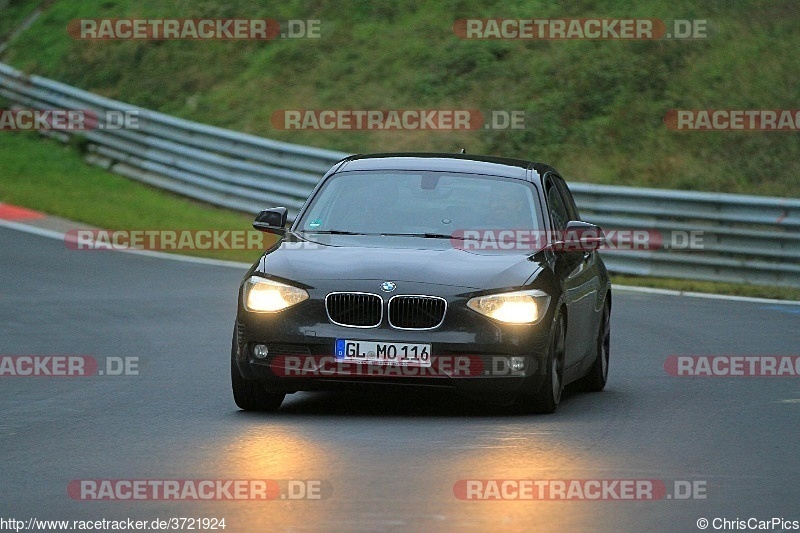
(250, 395)
(546, 399)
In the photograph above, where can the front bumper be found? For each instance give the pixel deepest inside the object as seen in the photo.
(471, 354)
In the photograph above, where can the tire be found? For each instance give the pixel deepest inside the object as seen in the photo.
(546, 399)
(595, 380)
(251, 395)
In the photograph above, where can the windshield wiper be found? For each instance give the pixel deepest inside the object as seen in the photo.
(336, 232)
(417, 235)
(425, 235)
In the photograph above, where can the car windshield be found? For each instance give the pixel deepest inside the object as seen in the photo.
(420, 203)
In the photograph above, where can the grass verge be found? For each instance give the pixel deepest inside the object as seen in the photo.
(711, 287)
(45, 175)
(14, 14)
(593, 108)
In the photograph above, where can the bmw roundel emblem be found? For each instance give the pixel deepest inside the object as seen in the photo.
(388, 286)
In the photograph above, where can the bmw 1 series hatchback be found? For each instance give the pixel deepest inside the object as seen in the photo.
(463, 273)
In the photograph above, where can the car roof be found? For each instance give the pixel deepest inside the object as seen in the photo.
(465, 163)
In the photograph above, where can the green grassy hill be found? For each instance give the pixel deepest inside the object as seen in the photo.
(594, 109)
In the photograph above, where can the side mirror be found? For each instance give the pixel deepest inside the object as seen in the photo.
(581, 237)
(271, 220)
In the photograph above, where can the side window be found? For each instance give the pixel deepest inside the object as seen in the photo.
(555, 205)
(566, 195)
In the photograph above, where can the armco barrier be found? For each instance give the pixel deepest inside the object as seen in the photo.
(748, 239)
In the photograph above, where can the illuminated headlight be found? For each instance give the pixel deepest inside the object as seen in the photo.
(521, 307)
(262, 295)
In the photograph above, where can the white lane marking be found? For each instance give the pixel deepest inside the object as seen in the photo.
(669, 292)
(51, 234)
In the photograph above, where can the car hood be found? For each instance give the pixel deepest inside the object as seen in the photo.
(417, 260)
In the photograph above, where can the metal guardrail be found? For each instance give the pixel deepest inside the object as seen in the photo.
(748, 239)
(745, 239)
(219, 166)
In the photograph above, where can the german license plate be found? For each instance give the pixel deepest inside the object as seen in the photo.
(383, 353)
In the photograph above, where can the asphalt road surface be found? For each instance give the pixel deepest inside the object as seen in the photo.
(383, 461)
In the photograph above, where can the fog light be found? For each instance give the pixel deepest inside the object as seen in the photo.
(260, 351)
(517, 364)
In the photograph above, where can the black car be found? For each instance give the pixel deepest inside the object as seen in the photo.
(468, 273)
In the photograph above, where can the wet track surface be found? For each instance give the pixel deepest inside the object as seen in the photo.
(392, 460)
